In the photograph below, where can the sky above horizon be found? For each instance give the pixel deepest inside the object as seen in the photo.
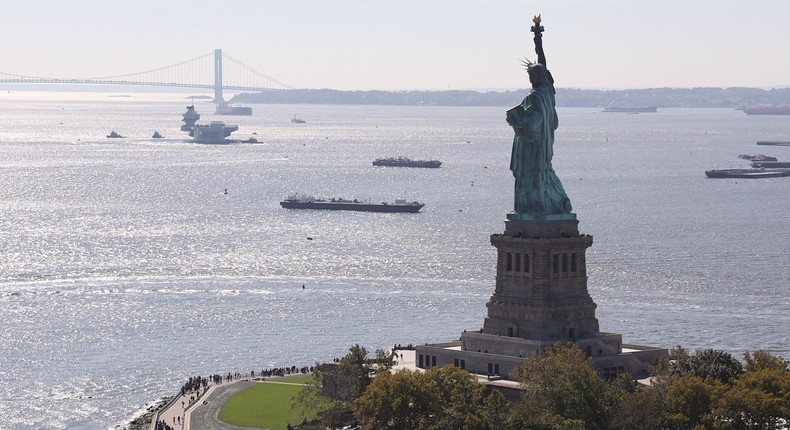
(411, 44)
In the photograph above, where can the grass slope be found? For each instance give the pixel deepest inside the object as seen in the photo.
(266, 405)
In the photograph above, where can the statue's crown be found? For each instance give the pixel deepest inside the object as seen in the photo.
(533, 68)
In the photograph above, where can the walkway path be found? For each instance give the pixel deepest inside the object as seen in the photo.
(204, 413)
(177, 410)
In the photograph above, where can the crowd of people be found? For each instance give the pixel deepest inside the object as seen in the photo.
(162, 425)
(408, 347)
(196, 384)
(283, 371)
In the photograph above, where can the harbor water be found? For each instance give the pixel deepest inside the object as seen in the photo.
(128, 265)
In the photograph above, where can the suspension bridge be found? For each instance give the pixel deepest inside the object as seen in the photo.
(205, 71)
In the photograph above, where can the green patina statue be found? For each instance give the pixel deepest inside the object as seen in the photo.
(539, 194)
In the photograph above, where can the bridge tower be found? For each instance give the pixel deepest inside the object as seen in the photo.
(218, 76)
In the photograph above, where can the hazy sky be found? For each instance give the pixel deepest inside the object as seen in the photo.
(411, 44)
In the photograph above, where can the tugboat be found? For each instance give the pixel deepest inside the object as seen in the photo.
(114, 135)
(406, 162)
(300, 201)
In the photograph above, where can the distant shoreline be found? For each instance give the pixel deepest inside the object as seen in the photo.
(735, 97)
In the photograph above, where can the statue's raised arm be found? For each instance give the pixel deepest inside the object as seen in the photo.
(538, 30)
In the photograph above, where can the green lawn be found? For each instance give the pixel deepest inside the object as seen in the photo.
(266, 405)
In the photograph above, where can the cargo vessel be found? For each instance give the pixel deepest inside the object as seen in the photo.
(406, 162)
(773, 142)
(300, 201)
(745, 173)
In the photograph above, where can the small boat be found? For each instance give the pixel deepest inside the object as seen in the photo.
(745, 173)
(406, 162)
(300, 201)
(297, 120)
(250, 140)
(114, 135)
(156, 135)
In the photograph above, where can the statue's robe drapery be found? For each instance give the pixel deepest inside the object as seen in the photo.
(538, 190)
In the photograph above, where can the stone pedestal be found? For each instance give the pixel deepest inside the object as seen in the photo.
(541, 283)
(540, 299)
(542, 229)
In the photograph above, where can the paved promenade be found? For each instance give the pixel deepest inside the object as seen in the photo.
(177, 413)
(203, 414)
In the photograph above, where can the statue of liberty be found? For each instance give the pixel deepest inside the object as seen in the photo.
(539, 195)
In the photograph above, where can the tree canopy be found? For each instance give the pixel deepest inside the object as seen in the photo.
(442, 398)
(336, 385)
(560, 383)
(707, 389)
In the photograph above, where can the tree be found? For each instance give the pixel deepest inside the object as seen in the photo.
(441, 398)
(706, 363)
(641, 409)
(402, 400)
(762, 360)
(711, 389)
(670, 364)
(529, 416)
(760, 398)
(458, 401)
(495, 412)
(689, 402)
(384, 361)
(561, 383)
(335, 386)
(712, 363)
